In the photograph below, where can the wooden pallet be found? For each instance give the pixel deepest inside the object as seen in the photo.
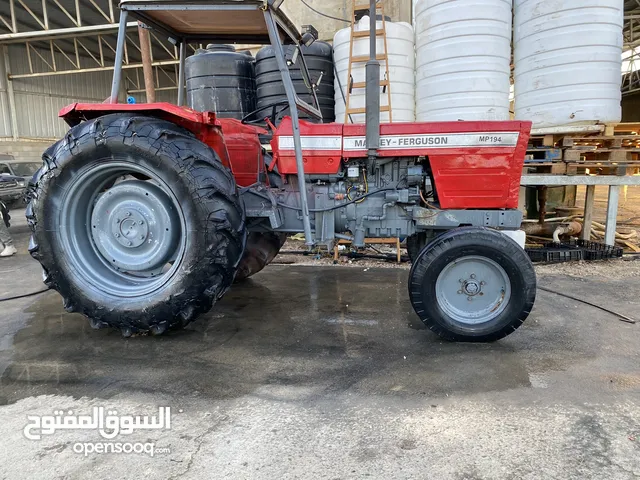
(553, 136)
(627, 128)
(543, 154)
(602, 155)
(552, 168)
(612, 141)
(542, 141)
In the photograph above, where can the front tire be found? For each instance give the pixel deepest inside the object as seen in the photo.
(472, 284)
(136, 223)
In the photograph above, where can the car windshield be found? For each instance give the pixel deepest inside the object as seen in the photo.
(25, 169)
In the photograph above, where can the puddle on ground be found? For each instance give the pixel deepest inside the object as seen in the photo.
(324, 330)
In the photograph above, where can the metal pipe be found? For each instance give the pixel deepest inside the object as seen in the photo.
(291, 99)
(552, 229)
(183, 55)
(142, 90)
(117, 71)
(147, 69)
(341, 236)
(571, 229)
(372, 90)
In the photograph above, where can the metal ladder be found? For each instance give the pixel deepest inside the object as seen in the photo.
(385, 84)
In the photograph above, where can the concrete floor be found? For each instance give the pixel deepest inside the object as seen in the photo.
(310, 372)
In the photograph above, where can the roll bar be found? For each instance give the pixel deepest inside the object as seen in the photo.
(247, 21)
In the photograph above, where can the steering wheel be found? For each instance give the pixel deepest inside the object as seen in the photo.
(274, 113)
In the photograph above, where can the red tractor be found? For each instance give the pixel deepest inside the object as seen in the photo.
(144, 215)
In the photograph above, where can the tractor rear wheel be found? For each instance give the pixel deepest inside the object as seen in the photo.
(472, 284)
(136, 223)
(261, 249)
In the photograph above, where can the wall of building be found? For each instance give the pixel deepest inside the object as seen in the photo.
(300, 14)
(39, 99)
(30, 150)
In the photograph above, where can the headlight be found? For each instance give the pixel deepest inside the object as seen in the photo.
(22, 183)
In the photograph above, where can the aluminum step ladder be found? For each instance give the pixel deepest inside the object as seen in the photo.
(357, 12)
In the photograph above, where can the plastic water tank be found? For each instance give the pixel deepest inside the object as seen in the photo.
(463, 57)
(400, 44)
(567, 61)
(221, 80)
(320, 65)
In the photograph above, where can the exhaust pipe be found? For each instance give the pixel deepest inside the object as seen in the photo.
(372, 90)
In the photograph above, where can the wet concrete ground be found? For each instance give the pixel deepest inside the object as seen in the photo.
(309, 372)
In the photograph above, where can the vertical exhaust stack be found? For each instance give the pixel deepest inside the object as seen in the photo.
(372, 91)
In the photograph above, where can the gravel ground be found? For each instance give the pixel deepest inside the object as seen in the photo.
(627, 267)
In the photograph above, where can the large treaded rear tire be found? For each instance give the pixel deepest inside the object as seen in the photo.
(465, 252)
(261, 249)
(211, 214)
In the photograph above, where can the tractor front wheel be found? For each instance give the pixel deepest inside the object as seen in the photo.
(136, 223)
(472, 284)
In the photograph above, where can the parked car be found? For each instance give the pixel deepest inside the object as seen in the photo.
(19, 168)
(11, 188)
(14, 176)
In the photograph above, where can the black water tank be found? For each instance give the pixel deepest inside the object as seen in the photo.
(221, 80)
(319, 59)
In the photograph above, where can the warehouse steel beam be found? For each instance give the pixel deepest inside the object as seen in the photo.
(64, 38)
(53, 19)
(60, 33)
(90, 70)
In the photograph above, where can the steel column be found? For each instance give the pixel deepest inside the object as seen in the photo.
(10, 94)
(117, 72)
(182, 56)
(291, 99)
(612, 215)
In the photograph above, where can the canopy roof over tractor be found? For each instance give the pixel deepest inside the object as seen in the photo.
(213, 20)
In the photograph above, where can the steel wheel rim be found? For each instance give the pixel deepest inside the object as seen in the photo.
(123, 228)
(473, 290)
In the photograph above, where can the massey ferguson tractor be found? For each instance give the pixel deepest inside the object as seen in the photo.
(144, 215)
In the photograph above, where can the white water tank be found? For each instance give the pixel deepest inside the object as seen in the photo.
(567, 61)
(401, 67)
(463, 57)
